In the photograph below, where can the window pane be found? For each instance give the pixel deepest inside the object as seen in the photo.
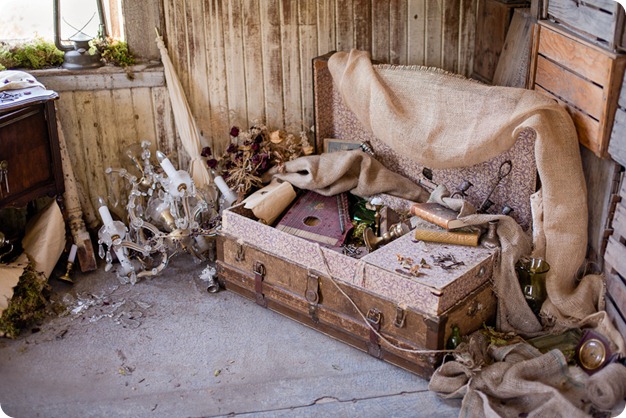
(26, 19)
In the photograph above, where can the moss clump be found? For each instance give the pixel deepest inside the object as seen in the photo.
(113, 51)
(35, 54)
(27, 305)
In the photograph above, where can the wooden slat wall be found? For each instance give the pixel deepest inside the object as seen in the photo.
(243, 60)
(99, 124)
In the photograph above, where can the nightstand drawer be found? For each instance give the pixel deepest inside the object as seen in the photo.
(30, 163)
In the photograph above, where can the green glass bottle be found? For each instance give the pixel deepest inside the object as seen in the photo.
(455, 338)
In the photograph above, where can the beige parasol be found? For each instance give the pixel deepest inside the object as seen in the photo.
(185, 123)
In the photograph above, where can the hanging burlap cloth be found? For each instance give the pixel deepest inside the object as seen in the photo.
(446, 121)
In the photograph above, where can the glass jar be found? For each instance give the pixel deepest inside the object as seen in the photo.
(532, 278)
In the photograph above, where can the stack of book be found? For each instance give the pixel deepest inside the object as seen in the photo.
(436, 223)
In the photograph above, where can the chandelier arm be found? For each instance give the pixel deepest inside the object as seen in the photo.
(157, 269)
(186, 209)
(131, 245)
(122, 173)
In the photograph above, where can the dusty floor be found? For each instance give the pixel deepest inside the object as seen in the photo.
(167, 348)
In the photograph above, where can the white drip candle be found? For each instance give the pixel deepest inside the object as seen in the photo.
(105, 215)
(167, 165)
(125, 263)
(229, 195)
(72, 255)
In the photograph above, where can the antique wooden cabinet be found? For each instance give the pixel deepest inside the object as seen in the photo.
(30, 158)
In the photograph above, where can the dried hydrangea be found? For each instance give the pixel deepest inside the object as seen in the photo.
(252, 152)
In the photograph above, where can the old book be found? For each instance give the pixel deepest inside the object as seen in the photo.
(427, 231)
(437, 214)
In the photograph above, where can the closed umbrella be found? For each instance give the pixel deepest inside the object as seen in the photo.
(185, 123)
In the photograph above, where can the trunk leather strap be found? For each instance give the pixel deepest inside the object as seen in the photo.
(259, 275)
(375, 318)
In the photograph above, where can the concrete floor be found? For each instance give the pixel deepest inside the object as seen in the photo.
(167, 348)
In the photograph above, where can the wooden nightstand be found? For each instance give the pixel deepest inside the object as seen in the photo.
(29, 154)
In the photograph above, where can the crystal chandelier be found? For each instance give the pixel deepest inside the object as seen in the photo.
(166, 215)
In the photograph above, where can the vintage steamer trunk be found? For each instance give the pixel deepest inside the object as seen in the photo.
(371, 303)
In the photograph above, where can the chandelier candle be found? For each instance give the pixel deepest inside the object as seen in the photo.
(229, 195)
(179, 179)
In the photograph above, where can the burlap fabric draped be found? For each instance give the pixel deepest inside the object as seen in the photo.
(446, 121)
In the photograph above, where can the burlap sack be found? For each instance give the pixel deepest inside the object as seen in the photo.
(517, 381)
(446, 121)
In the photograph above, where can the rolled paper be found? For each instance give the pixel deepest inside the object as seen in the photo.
(269, 202)
(166, 164)
(105, 215)
(229, 195)
(72, 255)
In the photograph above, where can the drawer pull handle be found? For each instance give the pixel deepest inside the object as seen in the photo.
(4, 177)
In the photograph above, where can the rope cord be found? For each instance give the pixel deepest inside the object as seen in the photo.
(382, 337)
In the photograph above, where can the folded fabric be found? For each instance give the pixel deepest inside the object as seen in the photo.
(354, 171)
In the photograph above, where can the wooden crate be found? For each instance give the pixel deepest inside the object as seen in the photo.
(492, 24)
(599, 21)
(583, 77)
(615, 265)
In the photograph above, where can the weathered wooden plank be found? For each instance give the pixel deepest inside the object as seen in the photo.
(615, 256)
(467, 41)
(587, 127)
(599, 175)
(596, 19)
(253, 61)
(617, 144)
(235, 66)
(126, 129)
(108, 145)
(178, 40)
(112, 78)
(434, 31)
(589, 62)
(198, 94)
(362, 10)
(616, 316)
(137, 17)
(91, 140)
(216, 69)
(326, 31)
(514, 63)
(272, 64)
(69, 117)
(417, 32)
(616, 286)
(308, 50)
(587, 96)
(344, 15)
(143, 114)
(380, 31)
(451, 21)
(619, 219)
(125, 133)
(398, 32)
(291, 70)
(164, 123)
